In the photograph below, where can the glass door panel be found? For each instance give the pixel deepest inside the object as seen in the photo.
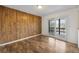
(62, 28)
(57, 27)
(52, 27)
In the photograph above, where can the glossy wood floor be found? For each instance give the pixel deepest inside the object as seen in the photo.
(40, 44)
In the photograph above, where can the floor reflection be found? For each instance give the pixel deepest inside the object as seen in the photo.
(40, 44)
(57, 45)
(60, 46)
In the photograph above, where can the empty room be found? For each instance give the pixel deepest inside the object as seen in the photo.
(39, 28)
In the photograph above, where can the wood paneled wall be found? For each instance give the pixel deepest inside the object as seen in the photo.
(16, 24)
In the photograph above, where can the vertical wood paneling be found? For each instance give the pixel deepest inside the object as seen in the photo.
(0, 18)
(19, 25)
(25, 24)
(8, 25)
(0, 23)
(22, 25)
(16, 24)
(30, 23)
(4, 25)
(39, 26)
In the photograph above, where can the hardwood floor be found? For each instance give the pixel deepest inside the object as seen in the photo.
(40, 44)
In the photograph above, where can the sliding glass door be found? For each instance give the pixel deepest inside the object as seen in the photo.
(52, 27)
(62, 28)
(57, 27)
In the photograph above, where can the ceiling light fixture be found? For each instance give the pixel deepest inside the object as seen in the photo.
(39, 7)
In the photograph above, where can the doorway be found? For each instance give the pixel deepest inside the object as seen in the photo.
(57, 28)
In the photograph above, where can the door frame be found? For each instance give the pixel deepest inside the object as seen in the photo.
(58, 36)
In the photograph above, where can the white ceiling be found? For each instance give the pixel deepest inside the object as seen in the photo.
(47, 9)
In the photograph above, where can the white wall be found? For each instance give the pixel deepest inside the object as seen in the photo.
(72, 23)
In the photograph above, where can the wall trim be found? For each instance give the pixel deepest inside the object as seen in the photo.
(3, 44)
